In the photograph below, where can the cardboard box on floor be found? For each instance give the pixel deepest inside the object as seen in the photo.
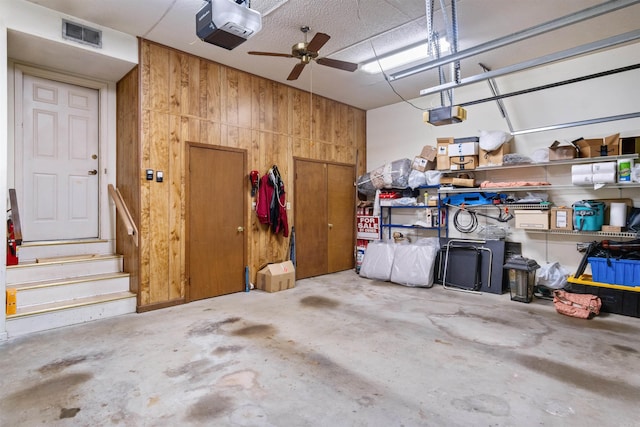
(277, 277)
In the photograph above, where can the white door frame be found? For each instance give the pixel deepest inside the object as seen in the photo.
(106, 135)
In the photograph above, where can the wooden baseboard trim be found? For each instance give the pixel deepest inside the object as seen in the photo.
(158, 306)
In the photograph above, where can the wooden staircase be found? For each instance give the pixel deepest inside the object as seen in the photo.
(67, 290)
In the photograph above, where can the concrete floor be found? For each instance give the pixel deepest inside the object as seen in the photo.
(337, 350)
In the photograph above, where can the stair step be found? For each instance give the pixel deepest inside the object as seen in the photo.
(41, 292)
(30, 251)
(64, 313)
(63, 268)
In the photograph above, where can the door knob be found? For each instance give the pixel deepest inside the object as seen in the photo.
(240, 229)
(330, 225)
(93, 172)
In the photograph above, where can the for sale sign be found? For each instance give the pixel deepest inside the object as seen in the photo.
(368, 227)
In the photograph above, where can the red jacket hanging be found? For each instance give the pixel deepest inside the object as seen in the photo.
(271, 206)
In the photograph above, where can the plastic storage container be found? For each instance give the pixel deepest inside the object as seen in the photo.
(625, 272)
(616, 299)
(588, 215)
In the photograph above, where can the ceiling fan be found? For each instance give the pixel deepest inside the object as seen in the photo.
(306, 51)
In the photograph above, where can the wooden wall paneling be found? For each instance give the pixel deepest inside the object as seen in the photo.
(127, 173)
(270, 106)
(184, 98)
(144, 297)
(253, 224)
(299, 114)
(360, 138)
(262, 104)
(176, 183)
(209, 133)
(322, 119)
(211, 90)
(158, 78)
(238, 137)
(344, 132)
(174, 86)
(192, 127)
(237, 95)
(300, 148)
(281, 109)
(159, 209)
(191, 86)
(321, 150)
(343, 154)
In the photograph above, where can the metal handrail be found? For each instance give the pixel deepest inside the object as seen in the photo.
(124, 213)
(15, 216)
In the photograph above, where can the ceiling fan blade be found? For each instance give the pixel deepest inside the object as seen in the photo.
(295, 73)
(285, 55)
(342, 65)
(317, 42)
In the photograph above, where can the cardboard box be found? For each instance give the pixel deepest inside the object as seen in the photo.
(442, 153)
(429, 153)
(596, 147)
(463, 149)
(420, 164)
(458, 182)
(463, 163)
(630, 145)
(562, 152)
(562, 218)
(277, 277)
(532, 219)
(495, 157)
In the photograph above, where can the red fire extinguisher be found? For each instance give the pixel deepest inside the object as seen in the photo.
(12, 246)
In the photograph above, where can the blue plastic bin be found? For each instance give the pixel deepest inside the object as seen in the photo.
(625, 272)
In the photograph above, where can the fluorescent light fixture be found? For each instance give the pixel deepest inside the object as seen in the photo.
(403, 57)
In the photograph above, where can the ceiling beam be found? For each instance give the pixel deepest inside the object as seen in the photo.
(546, 27)
(543, 60)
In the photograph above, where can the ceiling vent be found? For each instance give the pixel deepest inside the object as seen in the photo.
(81, 34)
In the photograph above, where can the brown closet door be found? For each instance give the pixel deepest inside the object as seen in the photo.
(311, 221)
(341, 214)
(216, 221)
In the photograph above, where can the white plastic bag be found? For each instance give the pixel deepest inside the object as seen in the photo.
(433, 177)
(552, 276)
(378, 260)
(417, 179)
(413, 264)
(492, 140)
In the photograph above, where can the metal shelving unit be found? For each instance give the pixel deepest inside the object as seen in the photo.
(451, 190)
(389, 224)
(623, 234)
(602, 234)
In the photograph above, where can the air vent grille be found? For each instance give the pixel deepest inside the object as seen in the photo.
(81, 34)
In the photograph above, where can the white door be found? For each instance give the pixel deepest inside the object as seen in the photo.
(59, 161)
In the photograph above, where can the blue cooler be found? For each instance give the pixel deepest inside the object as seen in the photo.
(588, 215)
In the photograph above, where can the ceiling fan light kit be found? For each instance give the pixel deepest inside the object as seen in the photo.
(308, 51)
